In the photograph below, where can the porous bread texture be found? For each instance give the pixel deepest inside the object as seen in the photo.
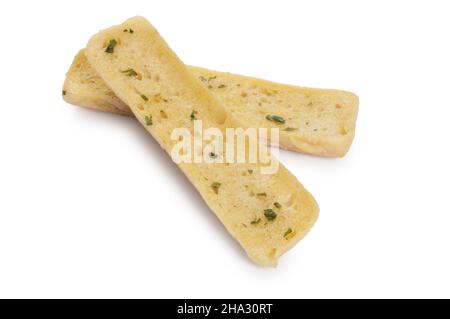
(317, 121)
(83, 87)
(170, 87)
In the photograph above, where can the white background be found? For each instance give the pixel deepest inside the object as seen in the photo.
(90, 206)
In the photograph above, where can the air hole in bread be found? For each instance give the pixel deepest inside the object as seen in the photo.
(147, 72)
(219, 116)
(249, 190)
(288, 201)
(272, 252)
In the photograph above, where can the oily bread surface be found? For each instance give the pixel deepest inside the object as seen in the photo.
(171, 88)
(317, 121)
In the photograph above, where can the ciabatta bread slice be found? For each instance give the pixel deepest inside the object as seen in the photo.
(316, 121)
(138, 64)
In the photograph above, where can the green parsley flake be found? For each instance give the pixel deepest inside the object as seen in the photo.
(255, 221)
(270, 214)
(289, 129)
(262, 194)
(288, 232)
(275, 118)
(222, 86)
(144, 97)
(215, 186)
(148, 120)
(277, 205)
(193, 117)
(130, 72)
(111, 45)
